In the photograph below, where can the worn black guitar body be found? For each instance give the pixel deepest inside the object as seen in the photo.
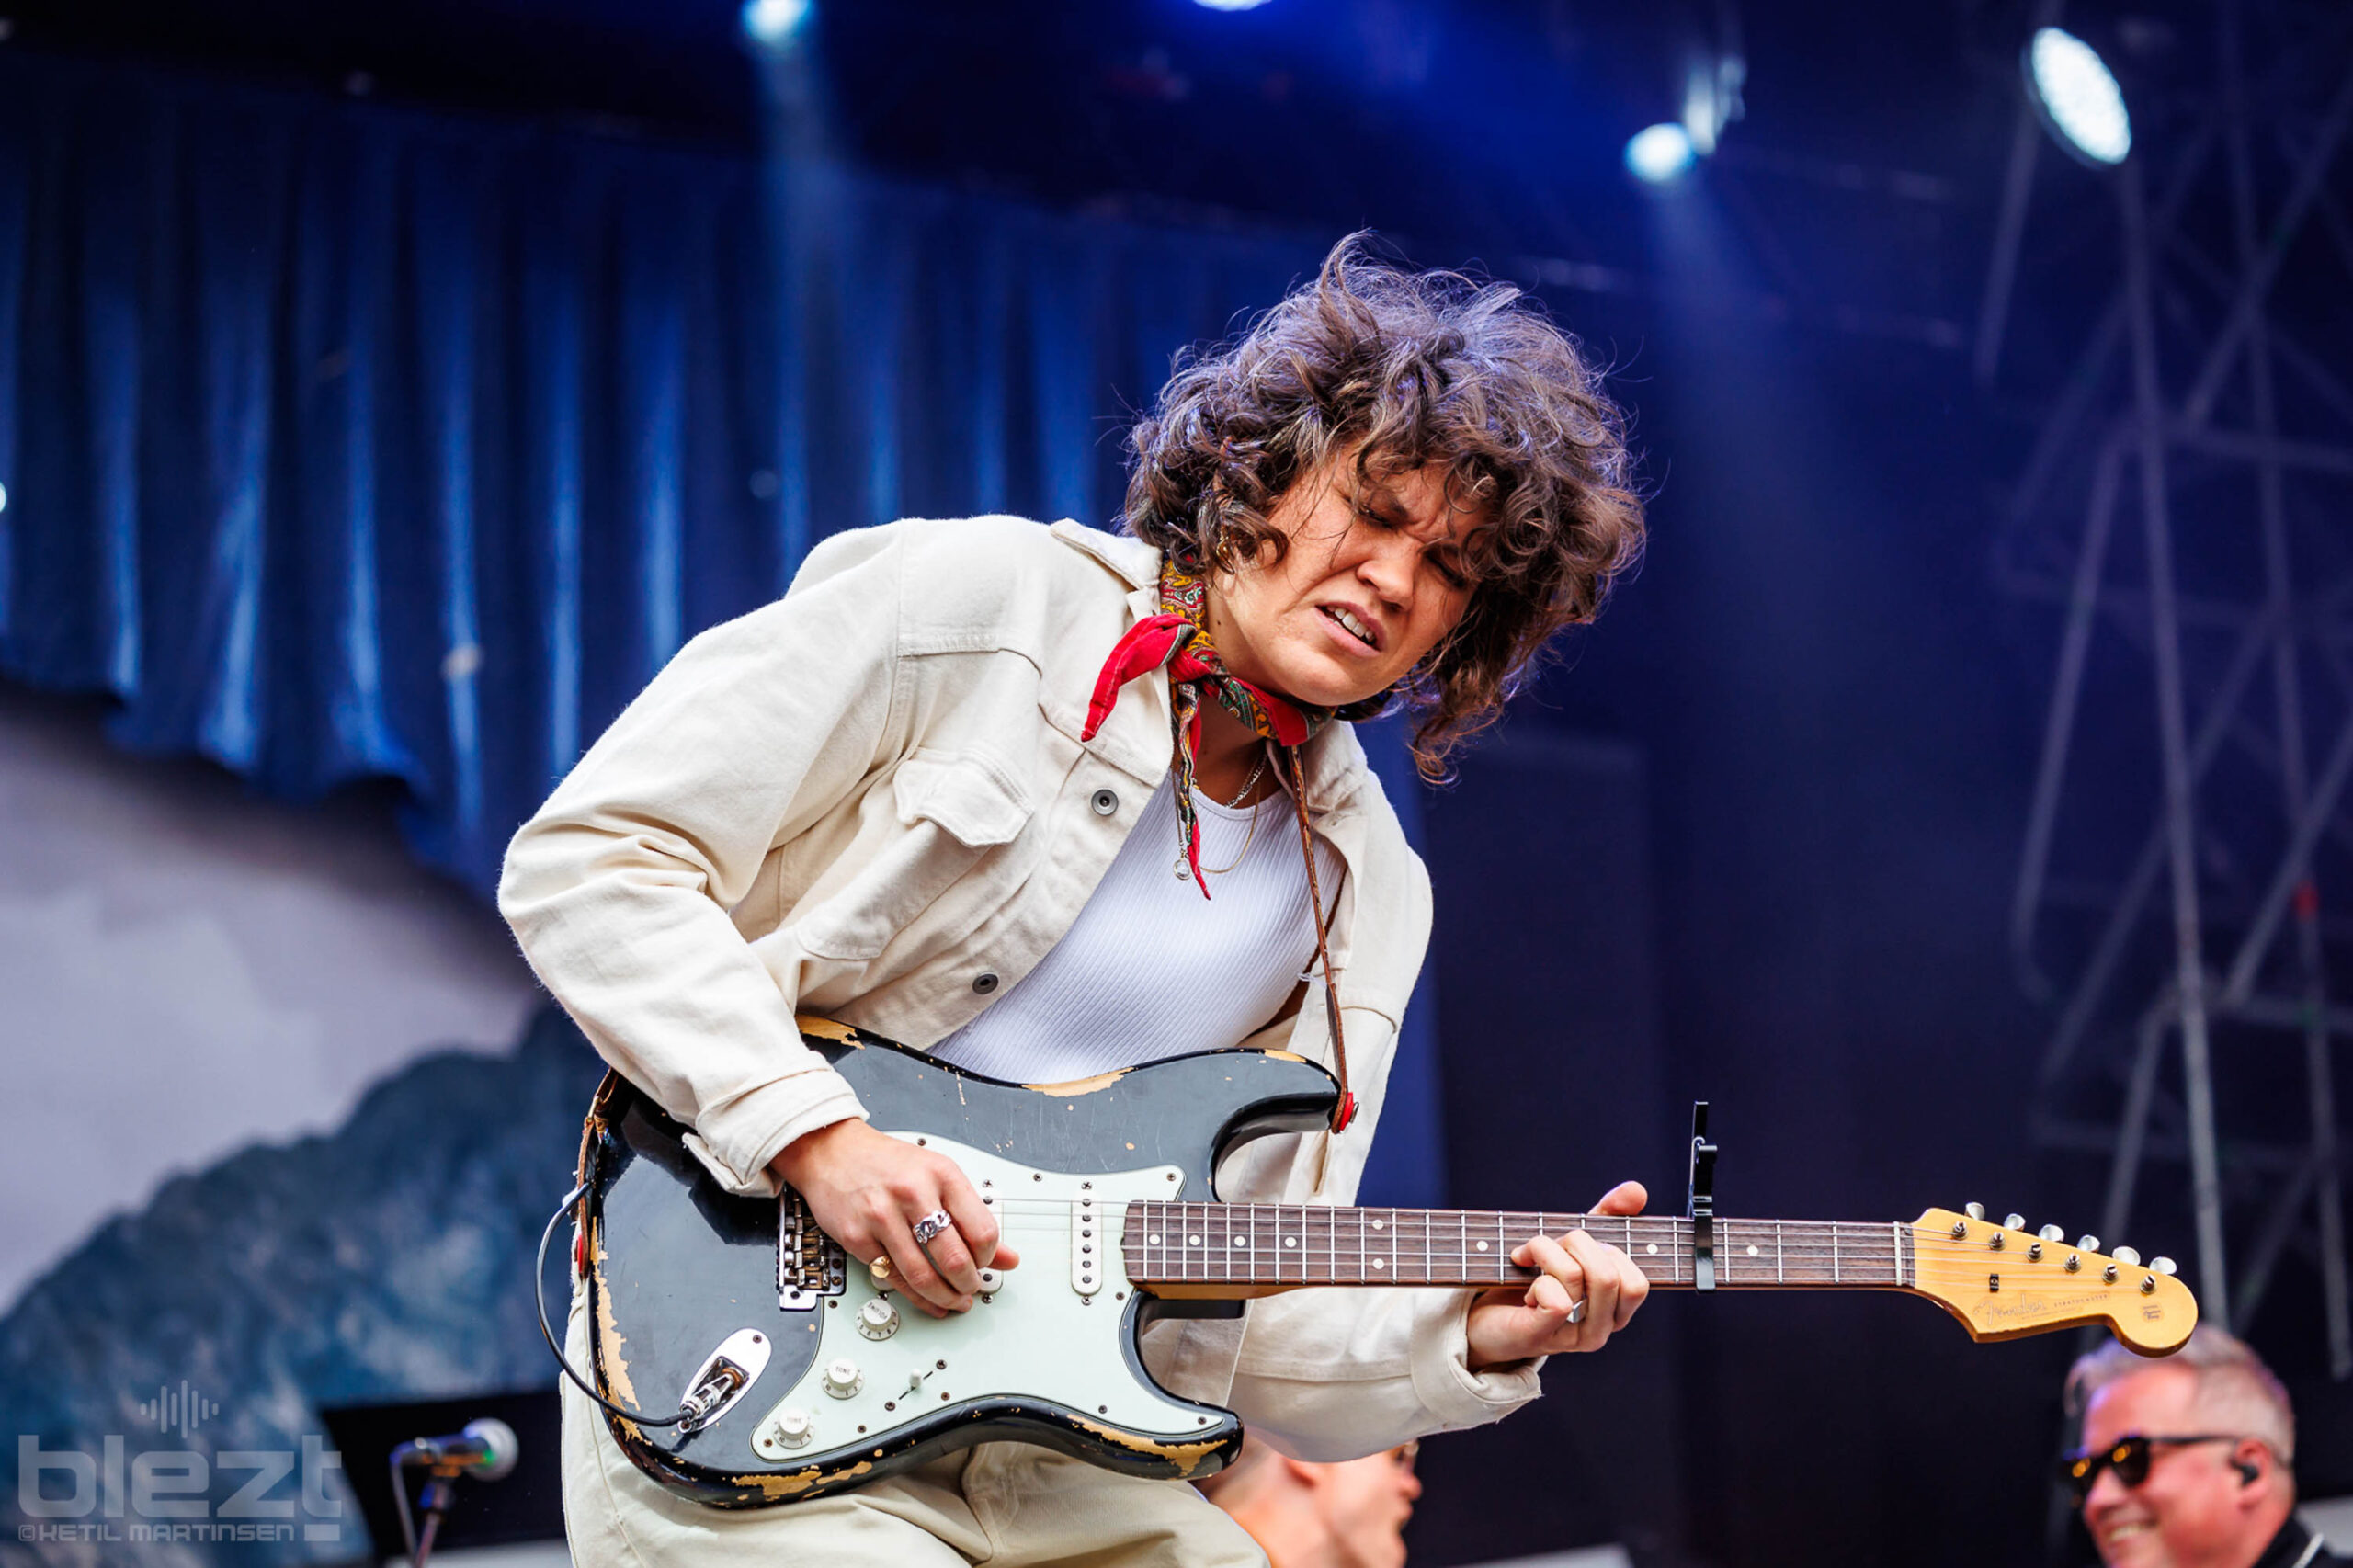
(815, 1381)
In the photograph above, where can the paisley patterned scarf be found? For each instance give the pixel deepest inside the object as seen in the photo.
(1178, 637)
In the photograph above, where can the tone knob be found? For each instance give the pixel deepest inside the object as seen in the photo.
(2163, 1265)
(2051, 1233)
(842, 1380)
(2014, 1223)
(1975, 1210)
(792, 1429)
(878, 1319)
(2087, 1244)
(2127, 1256)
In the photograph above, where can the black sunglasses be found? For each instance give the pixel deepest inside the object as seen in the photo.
(2128, 1456)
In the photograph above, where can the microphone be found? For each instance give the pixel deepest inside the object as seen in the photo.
(486, 1450)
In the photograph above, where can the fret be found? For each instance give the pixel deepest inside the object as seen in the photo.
(1781, 1255)
(1833, 1253)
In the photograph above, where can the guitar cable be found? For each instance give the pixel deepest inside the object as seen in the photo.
(540, 1295)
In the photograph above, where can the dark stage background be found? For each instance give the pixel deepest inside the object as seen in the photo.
(385, 395)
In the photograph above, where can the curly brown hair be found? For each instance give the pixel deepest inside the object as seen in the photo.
(1395, 371)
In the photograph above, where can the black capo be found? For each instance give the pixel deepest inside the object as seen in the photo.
(1701, 1205)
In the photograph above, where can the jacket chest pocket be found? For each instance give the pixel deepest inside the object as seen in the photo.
(953, 812)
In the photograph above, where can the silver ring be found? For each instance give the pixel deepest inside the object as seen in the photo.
(1577, 1311)
(931, 1225)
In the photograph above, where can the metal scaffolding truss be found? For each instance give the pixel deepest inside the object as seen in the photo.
(2192, 817)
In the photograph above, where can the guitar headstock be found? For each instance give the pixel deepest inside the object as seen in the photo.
(2003, 1281)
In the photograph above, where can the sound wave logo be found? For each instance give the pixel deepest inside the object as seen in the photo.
(182, 1408)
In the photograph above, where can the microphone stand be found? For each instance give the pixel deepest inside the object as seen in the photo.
(440, 1492)
(486, 1449)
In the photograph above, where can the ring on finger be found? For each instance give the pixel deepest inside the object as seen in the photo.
(1577, 1311)
(880, 1268)
(930, 1225)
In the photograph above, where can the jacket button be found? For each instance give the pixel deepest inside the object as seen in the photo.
(984, 981)
(1105, 802)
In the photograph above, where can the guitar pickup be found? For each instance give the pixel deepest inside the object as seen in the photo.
(809, 1265)
(1085, 1245)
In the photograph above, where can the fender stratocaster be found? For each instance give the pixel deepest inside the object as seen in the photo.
(804, 1378)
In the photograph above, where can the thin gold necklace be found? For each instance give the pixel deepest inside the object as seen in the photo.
(1184, 870)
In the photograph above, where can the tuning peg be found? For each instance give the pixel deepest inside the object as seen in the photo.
(2127, 1256)
(2161, 1265)
(2087, 1244)
(2051, 1233)
(1975, 1210)
(2014, 1222)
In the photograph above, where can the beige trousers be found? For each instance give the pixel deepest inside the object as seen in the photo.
(1005, 1504)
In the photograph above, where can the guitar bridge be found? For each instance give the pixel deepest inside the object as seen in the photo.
(809, 1264)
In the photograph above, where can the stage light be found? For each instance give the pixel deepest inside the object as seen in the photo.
(774, 23)
(1229, 5)
(2078, 97)
(1660, 153)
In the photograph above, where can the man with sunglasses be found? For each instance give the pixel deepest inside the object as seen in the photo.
(2185, 1462)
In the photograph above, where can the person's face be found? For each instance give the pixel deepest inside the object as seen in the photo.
(2192, 1511)
(1365, 1504)
(1374, 578)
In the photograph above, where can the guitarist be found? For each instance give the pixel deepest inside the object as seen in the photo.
(932, 792)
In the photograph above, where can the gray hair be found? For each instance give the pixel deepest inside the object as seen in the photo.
(2235, 1390)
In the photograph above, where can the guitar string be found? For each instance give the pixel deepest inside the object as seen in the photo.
(1872, 1251)
(1860, 1262)
(1869, 1238)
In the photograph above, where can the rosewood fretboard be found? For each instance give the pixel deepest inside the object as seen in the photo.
(1231, 1248)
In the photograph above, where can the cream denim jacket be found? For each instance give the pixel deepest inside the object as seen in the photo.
(869, 801)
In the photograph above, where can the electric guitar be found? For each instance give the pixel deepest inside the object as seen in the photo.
(746, 1362)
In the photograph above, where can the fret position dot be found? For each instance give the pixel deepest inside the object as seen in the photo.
(1752, 1252)
(1291, 1241)
(1653, 1247)
(1482, 1247)
(1193, 1241)
(1380, 1262)
(1380, 1224)
(1242, 1241)
(1151, 1240)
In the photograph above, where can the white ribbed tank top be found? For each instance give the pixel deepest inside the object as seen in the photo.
(1151, 969)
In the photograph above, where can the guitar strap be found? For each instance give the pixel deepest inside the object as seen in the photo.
(1344, 1111)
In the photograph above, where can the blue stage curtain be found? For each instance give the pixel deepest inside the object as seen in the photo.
(342, 440)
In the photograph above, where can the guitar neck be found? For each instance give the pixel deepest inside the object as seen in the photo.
(1250, 1249)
